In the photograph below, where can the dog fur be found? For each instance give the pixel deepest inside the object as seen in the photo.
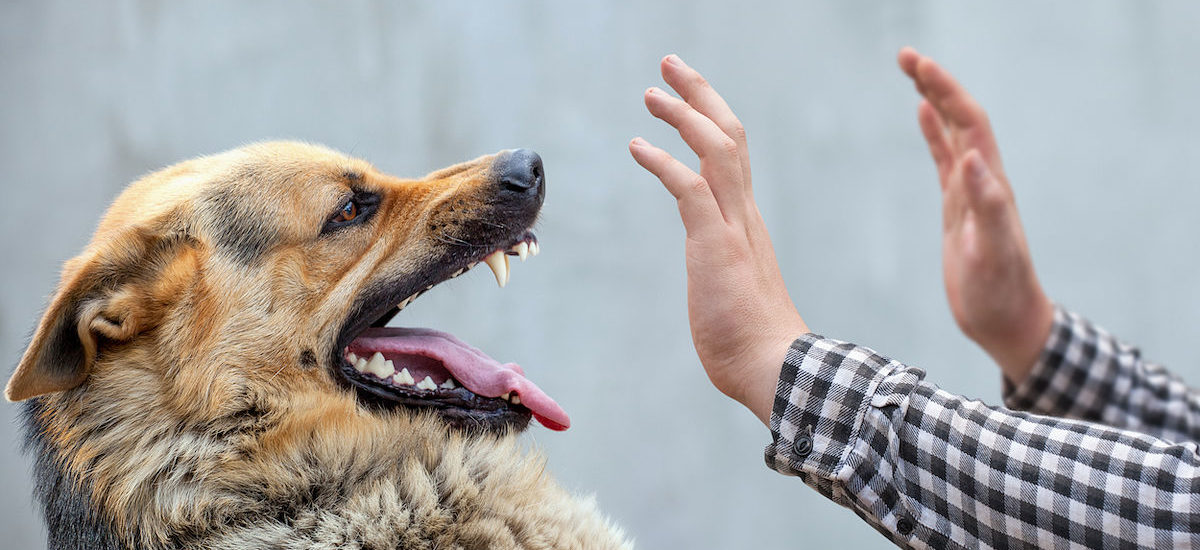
(180, 391)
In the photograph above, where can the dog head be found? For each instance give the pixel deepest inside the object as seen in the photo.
(272, 269)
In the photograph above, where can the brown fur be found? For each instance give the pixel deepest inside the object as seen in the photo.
(181, 376)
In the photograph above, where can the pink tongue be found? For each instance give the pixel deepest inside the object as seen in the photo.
(476, 371)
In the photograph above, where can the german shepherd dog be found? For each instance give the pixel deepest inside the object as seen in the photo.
(214, 370)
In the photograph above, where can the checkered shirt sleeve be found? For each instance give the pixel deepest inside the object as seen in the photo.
(930, 469)
(1085, 373)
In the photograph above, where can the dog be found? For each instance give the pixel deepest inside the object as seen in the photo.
(214, 370)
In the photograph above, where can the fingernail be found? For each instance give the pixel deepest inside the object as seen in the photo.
(656, 91)
(674, 60)
(638, 142)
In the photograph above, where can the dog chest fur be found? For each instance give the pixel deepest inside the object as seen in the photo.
(423, 487)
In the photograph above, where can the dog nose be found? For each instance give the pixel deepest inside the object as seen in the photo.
(520, 171)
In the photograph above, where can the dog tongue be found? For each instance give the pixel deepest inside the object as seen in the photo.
(475, 370)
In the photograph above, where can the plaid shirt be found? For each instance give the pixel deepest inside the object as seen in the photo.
(1104, 457)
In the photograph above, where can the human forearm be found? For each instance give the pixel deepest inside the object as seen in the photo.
(932, 469)
(1084, 372)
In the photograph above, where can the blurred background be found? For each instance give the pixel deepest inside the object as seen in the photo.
(1094, 104)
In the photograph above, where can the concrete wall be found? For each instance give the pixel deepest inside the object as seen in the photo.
(1094, 103)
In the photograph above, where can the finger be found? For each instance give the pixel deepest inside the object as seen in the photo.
(719, 158)
(697, 92)
(908, 58)
(934, 131)
(697, 206)
(960, 111)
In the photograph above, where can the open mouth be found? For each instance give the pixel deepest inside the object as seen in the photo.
(425, 368)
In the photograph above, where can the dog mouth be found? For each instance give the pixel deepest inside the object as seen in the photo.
(428, 369)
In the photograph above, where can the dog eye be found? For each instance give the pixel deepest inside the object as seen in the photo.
(356, 210)
(348, 212)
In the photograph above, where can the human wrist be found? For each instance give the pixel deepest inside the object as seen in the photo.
(758, 387)
(1018, 351)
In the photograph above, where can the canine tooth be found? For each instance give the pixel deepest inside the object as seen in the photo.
(448, 384)
(427, 384)
(405, 302)
(534, 248)
(352, 358)
(379, 367)
(498, 261)
(522, 250)
(360, 364)
(516, 399)
(403, 377)
(505, 396)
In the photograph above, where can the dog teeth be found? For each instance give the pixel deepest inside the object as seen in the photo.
(360, 364)
(459, 272)
(426, 383)
(516, 399)
(505, 396)
(448, 384)
(534, 248)
(379, 366)
(406, 301)
(522, 250)
(403, 378)
(498, 261)
(352, 358)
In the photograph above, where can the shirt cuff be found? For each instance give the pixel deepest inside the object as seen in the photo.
(1052, 386)
(824, 390)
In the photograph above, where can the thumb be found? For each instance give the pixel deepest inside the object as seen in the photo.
(986, 196)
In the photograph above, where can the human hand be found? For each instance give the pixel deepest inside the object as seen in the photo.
(741, 316)
(992, 288)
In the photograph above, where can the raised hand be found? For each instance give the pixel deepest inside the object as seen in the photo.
(741, 317)
(991, 285)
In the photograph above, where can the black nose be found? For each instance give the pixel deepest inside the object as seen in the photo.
(520, 171)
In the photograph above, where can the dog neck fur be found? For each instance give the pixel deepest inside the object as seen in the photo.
(324, 476)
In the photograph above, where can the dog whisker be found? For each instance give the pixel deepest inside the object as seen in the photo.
(453, 241)
(499, 225)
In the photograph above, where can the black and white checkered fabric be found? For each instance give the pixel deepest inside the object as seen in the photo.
(930, 469)
(1087, 374)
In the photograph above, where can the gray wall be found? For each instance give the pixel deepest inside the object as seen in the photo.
(1094, 103)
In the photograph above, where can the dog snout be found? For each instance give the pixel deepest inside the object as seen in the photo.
(519, 173)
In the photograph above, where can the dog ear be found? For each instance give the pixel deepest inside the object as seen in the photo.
(111, 293)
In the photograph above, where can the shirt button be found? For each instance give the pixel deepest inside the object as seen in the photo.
(803, 446)
(904, 526)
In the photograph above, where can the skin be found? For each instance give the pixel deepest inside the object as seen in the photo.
(742, 318)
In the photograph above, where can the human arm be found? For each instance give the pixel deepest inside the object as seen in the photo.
(883, 442)
(1054, 362)
(930, 469)
(1086, 373)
